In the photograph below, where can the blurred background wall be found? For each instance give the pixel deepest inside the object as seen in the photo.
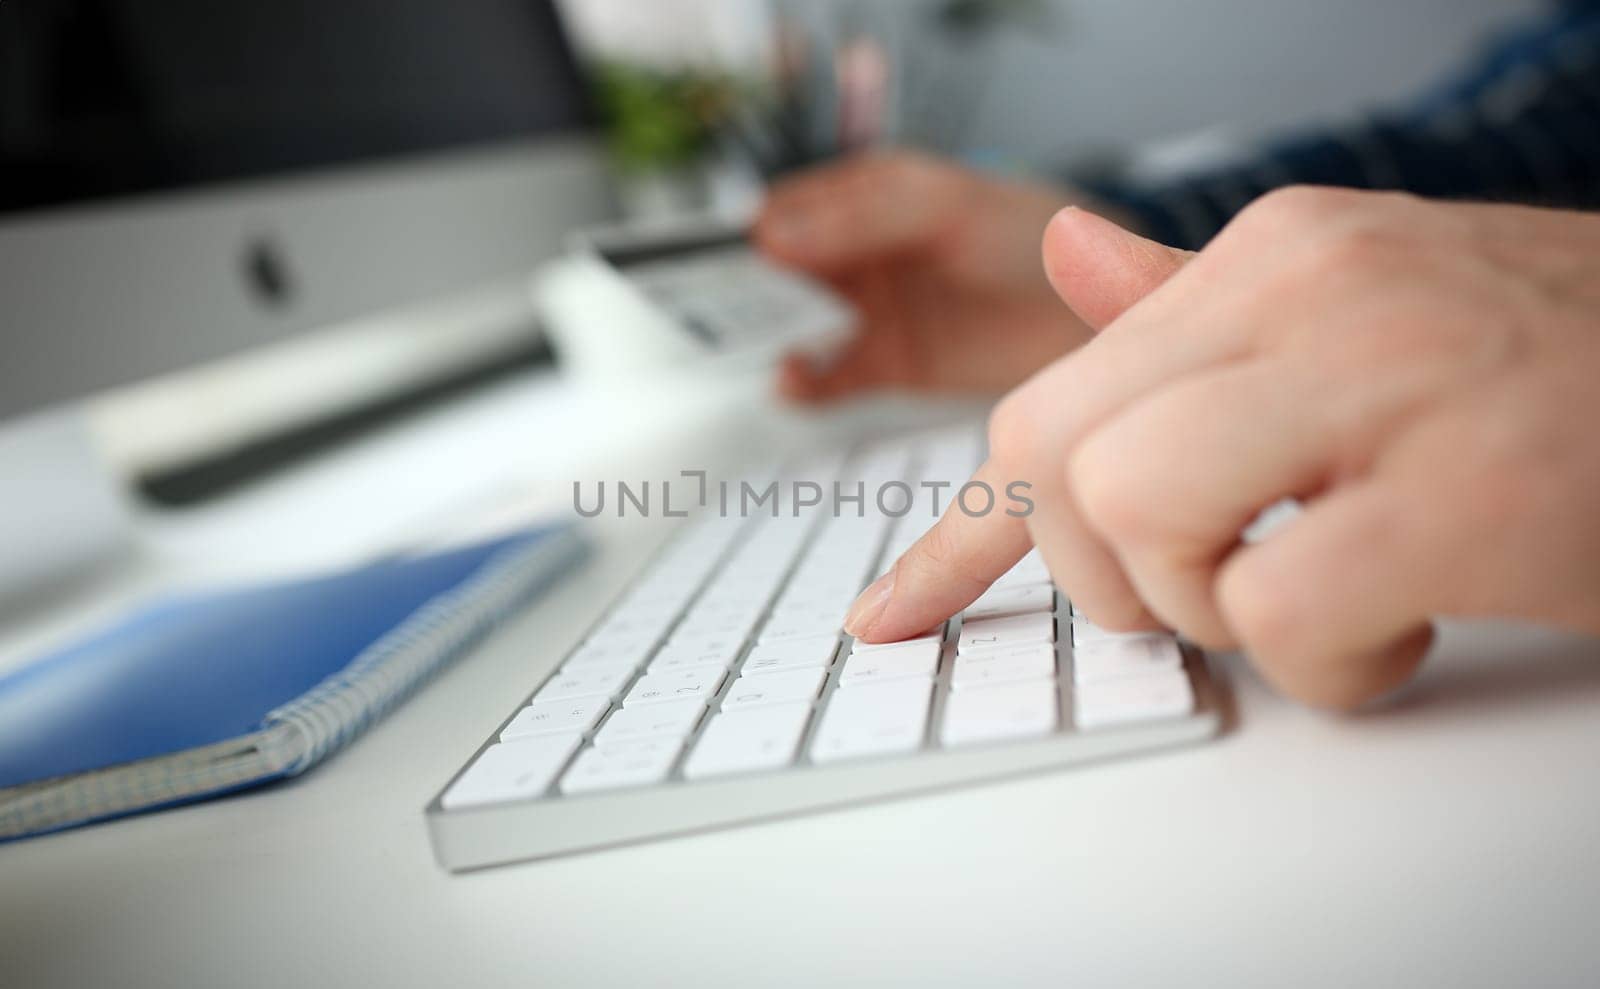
(1074, 79)
(1129, 71)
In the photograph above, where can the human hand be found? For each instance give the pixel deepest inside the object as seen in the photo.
(1424, 377)
(941, 262)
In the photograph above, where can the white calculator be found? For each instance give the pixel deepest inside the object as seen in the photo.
(721, 295)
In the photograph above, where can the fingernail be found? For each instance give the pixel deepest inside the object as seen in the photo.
(869, 606)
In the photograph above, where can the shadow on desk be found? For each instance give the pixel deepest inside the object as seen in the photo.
(1490, 668)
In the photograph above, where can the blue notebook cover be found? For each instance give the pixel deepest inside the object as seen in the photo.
(209, 692)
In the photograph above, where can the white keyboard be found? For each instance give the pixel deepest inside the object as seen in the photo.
(720, 688)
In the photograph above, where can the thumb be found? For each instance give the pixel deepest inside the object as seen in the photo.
(1100, 269)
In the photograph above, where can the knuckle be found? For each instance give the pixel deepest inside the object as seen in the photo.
(1011, 430)
(1273, 625)
(1293, 205)
(1288, 213)
(1107, 493)
(1265, 616)
(1509, 484)
(1358, 246)
(1118, 613)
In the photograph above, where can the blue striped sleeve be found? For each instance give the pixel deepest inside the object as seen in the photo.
(1520, 125)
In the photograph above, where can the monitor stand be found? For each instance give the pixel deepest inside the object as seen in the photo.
(62, 512)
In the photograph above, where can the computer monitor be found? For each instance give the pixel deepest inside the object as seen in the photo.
(184, 179)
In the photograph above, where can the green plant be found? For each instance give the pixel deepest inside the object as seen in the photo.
(659, 118)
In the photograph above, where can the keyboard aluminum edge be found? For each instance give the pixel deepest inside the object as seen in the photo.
(472, 838)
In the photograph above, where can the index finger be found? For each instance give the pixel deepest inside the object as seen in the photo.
(945, 570)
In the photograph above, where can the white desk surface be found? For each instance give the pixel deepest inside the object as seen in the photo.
(1451, 839)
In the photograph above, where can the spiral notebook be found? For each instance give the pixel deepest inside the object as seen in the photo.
(204, 694)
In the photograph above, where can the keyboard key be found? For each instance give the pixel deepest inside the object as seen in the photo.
(988, 667)
(597, 652)
(996, 633)
(1114, 657)
(670, 719)
(816, 652)
(866, 647)
(1028, 570)
(1085, 631)
(774, 688)
(1017, 710)
(745, 741)
(719, 642)
(733, 623)
(682, 657)
(697, 683)
(1133, 699)
(553, 717)
(736, 602)
(633, 764)
(877, 719)
(817, 597)
(818, 615)
(661, 602)
(585, 681)
(654, 596)
(629, 628)
(517, 770)
(999, 602)
(808, 627)
(909, 660)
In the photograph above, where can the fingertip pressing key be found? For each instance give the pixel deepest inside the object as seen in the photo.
(944, 571)
(869, 607)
